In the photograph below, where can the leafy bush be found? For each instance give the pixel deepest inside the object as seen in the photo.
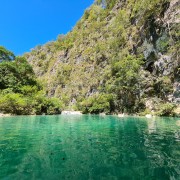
(44, 105)
(163, 87)
(145, 112)
(98, 104)
(15, 104)
(166, 110)
(19, 104)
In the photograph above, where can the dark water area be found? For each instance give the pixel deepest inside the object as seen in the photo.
(89, 147)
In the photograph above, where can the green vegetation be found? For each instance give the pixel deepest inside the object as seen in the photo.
(126, 84)
(20, 93)
(98, 103)
(15, 74)
(6, 55)
(166, 109)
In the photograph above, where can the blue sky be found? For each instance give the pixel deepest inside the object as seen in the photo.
(27, 23)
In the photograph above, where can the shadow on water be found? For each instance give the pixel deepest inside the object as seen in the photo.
(89, 147)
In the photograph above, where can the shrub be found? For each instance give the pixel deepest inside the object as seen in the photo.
(44, 105)
(166, 110)
(15, 104)
(98, 104)
(18, 104)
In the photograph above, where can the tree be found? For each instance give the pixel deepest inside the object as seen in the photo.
(125, 85)
(16, 74)
(6, 55)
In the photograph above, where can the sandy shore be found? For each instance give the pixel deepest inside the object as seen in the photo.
(71, 113)
(4, 115)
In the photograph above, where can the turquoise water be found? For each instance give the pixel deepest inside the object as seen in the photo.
(89, 147)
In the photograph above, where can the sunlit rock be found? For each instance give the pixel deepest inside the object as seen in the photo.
(71, 113)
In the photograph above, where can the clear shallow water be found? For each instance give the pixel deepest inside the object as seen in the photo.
(89, 147)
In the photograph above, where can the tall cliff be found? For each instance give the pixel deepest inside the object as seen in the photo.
(123, 55)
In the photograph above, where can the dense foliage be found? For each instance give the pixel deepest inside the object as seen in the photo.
(101, 103)
(20, 93)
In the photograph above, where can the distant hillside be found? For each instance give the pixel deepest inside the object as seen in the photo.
(122, 56)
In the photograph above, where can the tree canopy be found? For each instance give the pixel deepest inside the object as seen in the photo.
(20, 92)
(6, 55)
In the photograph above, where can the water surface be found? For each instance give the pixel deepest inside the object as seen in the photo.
(89, 147)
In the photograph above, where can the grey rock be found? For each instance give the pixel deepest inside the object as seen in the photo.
(164, 65)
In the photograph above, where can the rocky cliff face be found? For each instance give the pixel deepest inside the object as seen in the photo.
(125, 52)
(161, 47)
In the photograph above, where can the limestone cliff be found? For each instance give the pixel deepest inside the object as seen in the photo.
(123, 54)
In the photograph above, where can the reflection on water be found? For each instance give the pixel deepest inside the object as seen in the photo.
(152, 125)
(89, 147)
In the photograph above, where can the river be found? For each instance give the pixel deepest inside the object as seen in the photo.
(93, 147)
